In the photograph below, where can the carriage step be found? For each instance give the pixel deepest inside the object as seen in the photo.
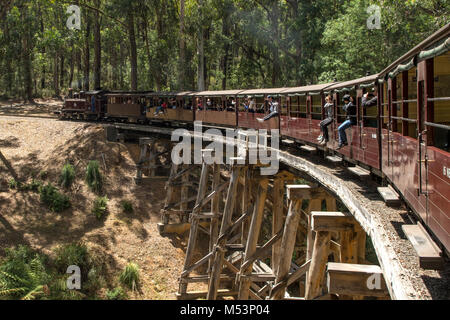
(430, 256)
(356, 280)
(309, 149)
(334, 159)
(360, 172)
(390, 197)
(288, 142)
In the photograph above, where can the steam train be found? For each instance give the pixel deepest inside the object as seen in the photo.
(403, 139)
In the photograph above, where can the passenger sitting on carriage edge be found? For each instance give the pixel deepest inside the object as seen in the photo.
(328, 121)
(350, 109)
(273, 105)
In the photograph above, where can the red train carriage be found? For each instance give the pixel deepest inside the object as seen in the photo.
(416, 130)
(364, 137)
(127, 107)
(247, 119)
(304, 112)
(217, 107)
(178, 107)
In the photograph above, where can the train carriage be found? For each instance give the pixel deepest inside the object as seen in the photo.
(304, 113)
(364, 137)
(217, 107)
(127, 107)
(179, 107)
(248, 119)
(416, 130)
(95, 105)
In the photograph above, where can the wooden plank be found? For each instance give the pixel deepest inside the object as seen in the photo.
(317, 268)
(253, 236)
(288, 244)
(334, 159)
(360, 172)
(308, 149)
(430, 256)
(304, 192)
(390, 197)
(332, 221)
(226, 222)
(356, 280)
(202, 294)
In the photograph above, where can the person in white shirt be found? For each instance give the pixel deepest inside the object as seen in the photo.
(273, 107)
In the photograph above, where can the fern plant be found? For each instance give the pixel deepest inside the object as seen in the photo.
(100, 207)
(130, 276)
(23, 275)
(94, 177)
(56, 201)
(67, 176)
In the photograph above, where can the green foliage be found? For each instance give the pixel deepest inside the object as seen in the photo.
(67, 176)
(127, 206)
(94, 178)
(23, 275)
(100, 207)
(51, 197)
(116, 294)
(130, 276)
(74, 254)
(13, 184)
(35, 185)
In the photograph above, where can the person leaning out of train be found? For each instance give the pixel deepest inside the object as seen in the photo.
(369, 100)
(328, 108)
(252, 105)
(350, 110)
(273, 107)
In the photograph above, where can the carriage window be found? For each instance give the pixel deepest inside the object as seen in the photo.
(442, 102)
(370, 115)
(397, 101)
(302, 108)
(412, 103)
(283, 105)
(294, 106)
(260, 105)
(316, 107)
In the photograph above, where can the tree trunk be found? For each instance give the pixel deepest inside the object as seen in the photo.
(133, 51)
(97, 48)
(26, 55)
(87, 54)
(72, 67)
(274, 24)
(182, 61)
(61, 71)
(56, 75)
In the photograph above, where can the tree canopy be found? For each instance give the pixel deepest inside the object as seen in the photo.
(202, 44)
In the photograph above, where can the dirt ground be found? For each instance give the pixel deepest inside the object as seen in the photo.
(41, 108)
(34, 146)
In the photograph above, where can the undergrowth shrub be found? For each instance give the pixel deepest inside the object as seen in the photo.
(67, 176)
(100, 207)
(94, 177)
(74, 254)
(51, 197)
(130, 276)
(13, 184)
(116, 294)
(127, 206)
(23, 275)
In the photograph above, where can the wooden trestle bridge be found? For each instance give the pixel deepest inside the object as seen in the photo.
(268, 237)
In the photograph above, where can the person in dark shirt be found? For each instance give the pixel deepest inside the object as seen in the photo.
(328, 107)
(350, 110)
